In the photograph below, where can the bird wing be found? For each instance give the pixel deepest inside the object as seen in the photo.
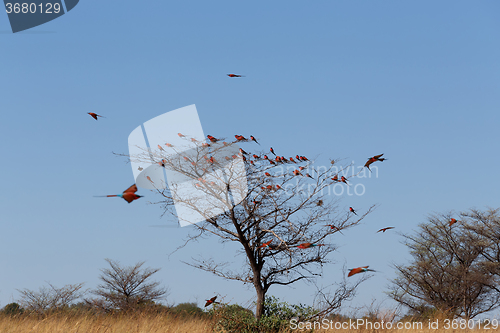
(377, 156)
(131, 189)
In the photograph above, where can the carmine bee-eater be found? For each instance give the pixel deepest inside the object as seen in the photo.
(272, 151)
(252, 163)
(243, 152)
(160, 147)
(292, 160)
(240, 138)
(169, 145)
(272, 162)
(210, 301)
(343, 179)
(128, 195)
(181, 135)
(308, 175)
(255, 156)
(95, 115)
(211, 138)
(374, 159)
(357, 270)
(162, 162)
(235, 75)
(265, 244)
(352, 211)
(301, 168)
(384, 229)
(453, 221)
(333, 227)
(253, 139)
(308, 245)
(335, 178)
(297, 157)
(296, 172)
(267, 174)
(278, 159)
(303, 158)
(265, 157)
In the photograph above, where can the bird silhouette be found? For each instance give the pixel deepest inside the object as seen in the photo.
(235, 75)
(357, 270)
(210, 301)
(95, 115)
(253, 139)
(128, 195)
(308, 245)
(374, 159)
(352, 211)
(384, 229)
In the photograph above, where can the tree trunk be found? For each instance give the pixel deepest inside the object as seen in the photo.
(261, 297)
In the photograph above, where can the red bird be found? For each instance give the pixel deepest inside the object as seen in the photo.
(308, 175)
(343, 179)
(253, 139)
(211, 138)
(352, 211)
(210, 301)
(235, 75)
(308, 245)
(265, 157)
(384, 229)
(162, 162)
(169, 145)
(272, 151)
(278, 159)
(243, 152)
(374, 159)
(335, 178)
(265, 244)
(255, 156)
(271, 161)
(334, 227)
(267, 174)
(278, 187)
(292, 160)
(128, 195)
(296, 172)
(181, 135)
(453, 221)
(303, 158)
(95, 115)
(357, 270)
(240, 138)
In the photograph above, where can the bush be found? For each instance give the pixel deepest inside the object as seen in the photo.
(12, 309)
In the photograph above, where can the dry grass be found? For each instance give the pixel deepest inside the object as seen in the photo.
(165, 323)
(104, 324)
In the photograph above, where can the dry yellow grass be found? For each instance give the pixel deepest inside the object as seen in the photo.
(164, 323)
(103, 324)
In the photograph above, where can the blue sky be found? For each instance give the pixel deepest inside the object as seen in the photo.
(416, 81)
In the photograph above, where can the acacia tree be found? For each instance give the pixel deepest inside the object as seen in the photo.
(126, 288)
(51, 297)
(449, 270)
(268, 205)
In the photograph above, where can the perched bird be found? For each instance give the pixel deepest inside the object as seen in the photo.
(149, 179)
(140, 168)
(265, 157)
(352, 211)
(267, 174)
(169, 145)
(357, 270)
(374, 159)
(296, 172)
(453, 221)
(343, 179)
(292, 160)
(272, 151)
(212, 139)
(128, 195)
(384, 229)
(255, 156)
(240, 138)
(303, 158)
(308, 245)
(265, 244)
(243, 152)
(333, 227)
(308, 175)
(271, 161)
(162, 162)
(319, 203)
(181, 135)
(278, 187)
(210, 301)
(335, 178)
(235, 75)
(160, 147)
(253, 139)
(95, 115)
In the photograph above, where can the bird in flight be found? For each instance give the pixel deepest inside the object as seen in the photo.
(128, 195)
(384, 229)
(374, 159)
(210, 301)
(265, 244)
(95, 115)
(453, 221)
(235, 75)
(357, 270)
(352, 211)
(308, 245)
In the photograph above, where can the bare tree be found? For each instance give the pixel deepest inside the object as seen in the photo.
(51, 297)
(280, 211)
(449, 271)
(126, 288)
